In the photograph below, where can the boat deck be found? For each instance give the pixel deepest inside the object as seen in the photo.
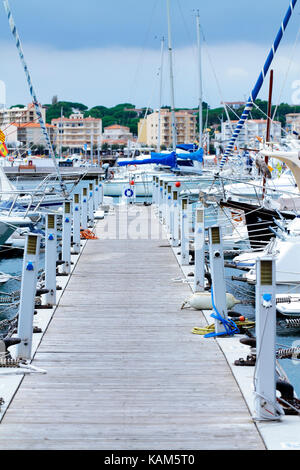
(123, 369)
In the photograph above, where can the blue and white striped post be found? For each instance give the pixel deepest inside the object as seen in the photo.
(15, 34)
(258, 85)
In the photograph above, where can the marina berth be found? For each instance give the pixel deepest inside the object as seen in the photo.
(150, 274)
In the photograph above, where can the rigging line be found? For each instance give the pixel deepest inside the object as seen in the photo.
(275, 123)
(287, 72)
(142, 54)
(216, 78)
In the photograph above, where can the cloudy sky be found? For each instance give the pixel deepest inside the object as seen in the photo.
(108, 52)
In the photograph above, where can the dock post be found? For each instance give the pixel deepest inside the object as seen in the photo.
(28, 290)
(216, 260)
(153, 190)
(165, 199)
(76, 223)
(50, 258)
(168, 208)
(184, 258)
(266, 408)
(66, 239)
(101, 192)
(160, 200)
(199, 253)
(84, 217)
(91, 205)
(175, 217)
(96, 194)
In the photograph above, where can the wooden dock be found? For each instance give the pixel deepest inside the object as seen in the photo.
(123, 369)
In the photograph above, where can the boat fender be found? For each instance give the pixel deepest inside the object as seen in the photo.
(286, 389)
(202, 301)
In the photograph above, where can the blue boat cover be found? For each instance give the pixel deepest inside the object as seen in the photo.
(187, 147)
(198, 155)
(157, 158)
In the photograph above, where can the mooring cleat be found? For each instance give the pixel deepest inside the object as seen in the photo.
(249, 361)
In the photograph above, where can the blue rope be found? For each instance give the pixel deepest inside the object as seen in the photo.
(229, 325)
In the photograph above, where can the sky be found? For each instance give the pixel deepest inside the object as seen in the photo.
(101, 52)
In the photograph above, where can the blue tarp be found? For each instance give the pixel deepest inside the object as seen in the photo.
(198, 155)
(158, 158)
(187, 147)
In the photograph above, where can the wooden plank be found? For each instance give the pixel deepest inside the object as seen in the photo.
(124, 370)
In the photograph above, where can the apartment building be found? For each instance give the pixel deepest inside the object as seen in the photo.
(185, 128)
(77, 132)
(117, 135)
(293, 122)
(20, 115)
(252, 129)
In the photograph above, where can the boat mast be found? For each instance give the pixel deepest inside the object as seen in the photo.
(36, 104)
(160, 92)
(61, 130)
(200, 81)
(173, 122)
(259, 83)
(268, 127)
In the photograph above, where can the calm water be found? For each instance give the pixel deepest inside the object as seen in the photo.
(13, 265)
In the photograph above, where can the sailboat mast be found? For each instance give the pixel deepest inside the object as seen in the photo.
(160, 92)
(173, 122)
(61, 130)
(31, 89)
(200, 81)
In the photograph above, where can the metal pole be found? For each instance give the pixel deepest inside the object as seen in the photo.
(184, 258)
(265, 329)
(160, 94)
(199, 241)
(50, 258)
(268, 127)
(173, 121)
(28, 290)
(76, 223)
(216, 259)
(200, 80)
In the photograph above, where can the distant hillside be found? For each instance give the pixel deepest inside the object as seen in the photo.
(126, 115)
